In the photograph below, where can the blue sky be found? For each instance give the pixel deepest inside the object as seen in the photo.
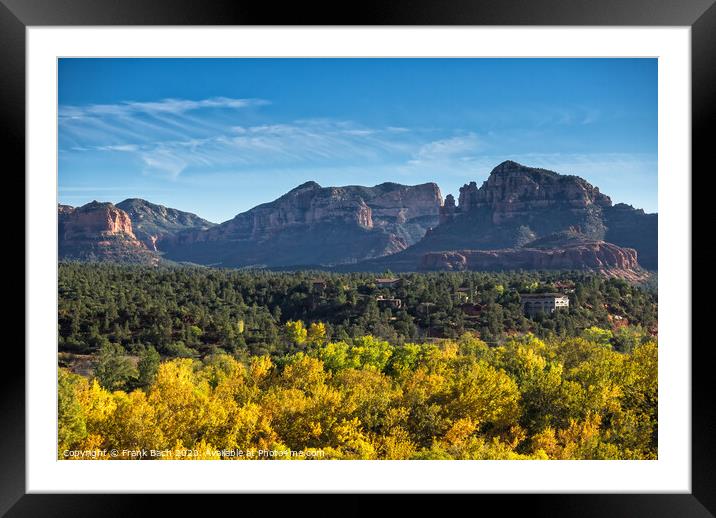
(219, 136)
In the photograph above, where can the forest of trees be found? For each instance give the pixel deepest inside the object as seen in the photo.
(191, 312)
(204, 363)
(569, 398)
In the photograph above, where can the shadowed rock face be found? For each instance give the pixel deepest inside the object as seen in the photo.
(520, 217)
(152, 222)
(517, 197)
(518, 205)
(627, 226)
(315, 225)
(512, 188)
(99, 231)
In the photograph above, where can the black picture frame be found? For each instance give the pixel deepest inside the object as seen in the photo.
(700, 15)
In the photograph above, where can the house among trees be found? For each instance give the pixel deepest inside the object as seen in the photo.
(533, 303)
(463, 295)
(471, 310)
(383, 282)
(319, 284)
(388, 303)
(565, 286)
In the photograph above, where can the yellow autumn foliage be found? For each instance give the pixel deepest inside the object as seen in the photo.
(527, 399)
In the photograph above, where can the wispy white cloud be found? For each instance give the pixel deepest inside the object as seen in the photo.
(459, 147)
(168, 137)
(119, 147)
(166, 140)
(165, 106)
(539, 116)
(275, 145)
(567, 117)
(455, 156)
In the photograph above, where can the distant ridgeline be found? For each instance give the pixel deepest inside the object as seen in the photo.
(520, 218)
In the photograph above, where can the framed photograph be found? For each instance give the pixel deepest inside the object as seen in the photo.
(413, 251)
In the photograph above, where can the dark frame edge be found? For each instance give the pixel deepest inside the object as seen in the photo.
(703, 113)
(368, 12)
(12, 383)
(702, 18)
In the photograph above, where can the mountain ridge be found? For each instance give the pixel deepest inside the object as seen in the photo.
(521, 215)
(153, 222)
(313, 224)
(517, 205)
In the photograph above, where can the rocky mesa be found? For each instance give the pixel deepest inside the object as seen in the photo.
(99, 231)
(518, 203)
(314, 225)
(519, 218)
(516, 207)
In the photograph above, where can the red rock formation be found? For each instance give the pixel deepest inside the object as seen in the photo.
(306, 205)
(99, 231)
(315, 225)
(63, 210)
(514, 206)
(596, 255)
(513, 191)
(400, 204)
(97, 219)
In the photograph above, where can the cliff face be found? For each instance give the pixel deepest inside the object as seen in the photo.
(99, 231)
(521, 217)
(516, 203)
(627, 226)
(313, 225)
(519, 205)
(152, 222)
(513, 190)
(595, 255)
(95, 219)
(305, 205)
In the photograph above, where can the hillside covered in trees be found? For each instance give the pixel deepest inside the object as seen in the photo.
(191, 312)
(202, 363)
